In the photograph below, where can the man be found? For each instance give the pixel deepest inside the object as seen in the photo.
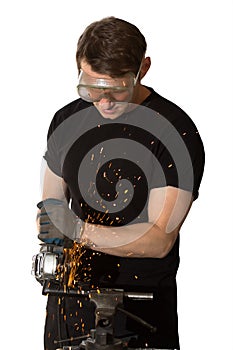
(130, 163)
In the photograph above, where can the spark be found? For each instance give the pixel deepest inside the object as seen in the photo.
(90, 186)
(129, 254)
(98, 168)
(184, 133)
(170, 165)
(72, 271)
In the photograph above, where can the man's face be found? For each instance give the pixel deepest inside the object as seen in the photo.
(110, 96)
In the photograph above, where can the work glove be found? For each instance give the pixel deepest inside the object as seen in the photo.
(58, 224)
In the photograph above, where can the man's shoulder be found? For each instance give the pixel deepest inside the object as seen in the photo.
(70, 109)
(168, 109)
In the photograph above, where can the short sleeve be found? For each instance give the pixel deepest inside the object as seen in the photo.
(59, 134)
(52, 152)
(181, 157)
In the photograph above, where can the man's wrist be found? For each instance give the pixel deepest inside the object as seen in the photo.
(79, 229)
(85, 237)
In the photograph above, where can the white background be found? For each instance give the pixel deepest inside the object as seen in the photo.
(190, 43)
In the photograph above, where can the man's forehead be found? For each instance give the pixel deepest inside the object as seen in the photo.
(86, 68)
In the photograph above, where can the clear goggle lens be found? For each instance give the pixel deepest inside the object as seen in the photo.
(116, 89)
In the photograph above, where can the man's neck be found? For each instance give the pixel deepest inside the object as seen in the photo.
(140, 94)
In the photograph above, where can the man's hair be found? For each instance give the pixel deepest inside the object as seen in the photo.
(111, 46)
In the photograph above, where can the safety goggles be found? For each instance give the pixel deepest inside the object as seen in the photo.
(114, 89)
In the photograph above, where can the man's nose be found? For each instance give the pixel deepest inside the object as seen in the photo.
(105, 99)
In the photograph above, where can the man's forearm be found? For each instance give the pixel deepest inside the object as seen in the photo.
(141, 240)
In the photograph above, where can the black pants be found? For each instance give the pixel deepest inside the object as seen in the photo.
(65, 319)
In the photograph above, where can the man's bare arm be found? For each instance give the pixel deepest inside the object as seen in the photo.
(54, 186)
(167, 210)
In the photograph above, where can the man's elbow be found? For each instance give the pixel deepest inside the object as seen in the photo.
(163, 253)
(163, 249)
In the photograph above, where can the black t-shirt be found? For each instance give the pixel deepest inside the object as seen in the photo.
(110, 166)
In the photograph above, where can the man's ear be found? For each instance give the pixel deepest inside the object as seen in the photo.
(145, 67)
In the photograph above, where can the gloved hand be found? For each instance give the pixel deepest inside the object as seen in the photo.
(57, 223)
